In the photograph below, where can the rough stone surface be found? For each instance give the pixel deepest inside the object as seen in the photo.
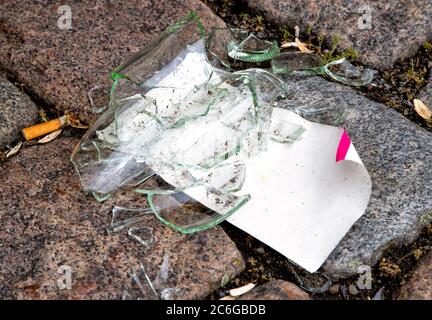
(62, 66)
(17, 111)
(419, 284)
(47, 222)
(276, 290)
(397, 154)
(397, 31)
(426, 93)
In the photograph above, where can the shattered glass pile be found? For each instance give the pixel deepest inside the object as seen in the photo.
(180, 85)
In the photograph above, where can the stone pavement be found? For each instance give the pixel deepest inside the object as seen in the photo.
(396, 30)
(17, 111)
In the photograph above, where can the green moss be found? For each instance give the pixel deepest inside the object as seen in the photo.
(244, 16)
(309, 31)
(331, 54)
(415, 74)
(225, 279)
(259, 20)
(334, 53)
(427, 46)
(285, 35)
(351, 54)
(259, 23)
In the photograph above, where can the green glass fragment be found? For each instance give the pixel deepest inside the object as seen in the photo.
(304, 64)
(253, 49)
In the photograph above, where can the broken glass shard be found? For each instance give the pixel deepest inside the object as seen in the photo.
(228, 176)
(238, 44)
(163, 274)
(253, 49)
(329, 111)
(148, 62)
(343, 71)
(322, 289)
(283, 131)
(125, 217)
(170, 293)
(298, 63)
(216, 42)
(162, 282)
(140, 287)
(185, 214)
(143, 235)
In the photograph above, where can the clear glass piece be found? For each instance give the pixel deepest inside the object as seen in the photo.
(252, 49)
(343, 71)
(285, 132)
(185, 214)
(329, 111)
(299, 63)
(163, 274)
(228, 176)
(125, 217)
(141, 287)
(143, 235)
(170, 293)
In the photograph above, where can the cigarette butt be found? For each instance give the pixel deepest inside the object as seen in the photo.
(44, 128)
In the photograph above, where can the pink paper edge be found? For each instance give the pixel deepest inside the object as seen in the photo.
(343, 147)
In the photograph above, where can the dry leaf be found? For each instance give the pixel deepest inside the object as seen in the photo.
(302, 46)
(78, 126)
(288, 44)
(50, 137)
(388, 268)
(75, 122)
(14, 150)
(241, 290)
(298, 44)
(422, 110)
